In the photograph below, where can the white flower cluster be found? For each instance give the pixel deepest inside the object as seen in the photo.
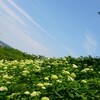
(44, 85)
(65, 72)
(3, 88)
(40, 84)
(74, 66)
(46, 78)
(86, 70)
(37, 68)
(35, 93)
(13, 95)
(47, 84)
(83, 81)
(45, 98)
(59, 81)
(7, 77)
(54, 77)
(70, 78)
(27, 92)
(25, 72)
(73, 75)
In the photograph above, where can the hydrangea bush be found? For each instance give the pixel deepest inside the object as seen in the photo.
(48, 79)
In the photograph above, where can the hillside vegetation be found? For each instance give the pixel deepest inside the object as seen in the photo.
(9, 53)
(50, 79)
(27, 77)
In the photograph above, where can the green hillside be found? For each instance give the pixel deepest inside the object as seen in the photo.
(8, 53)
(2, 44)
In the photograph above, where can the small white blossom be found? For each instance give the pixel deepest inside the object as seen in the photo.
(99, 72)
(85, 70)
(45, 98)
(33, 94)
(59, 81)
(83, 81)
(27, 92)
(48, 66)
(75, 66)
(46, 84)
(54, 77)
(40, 84)
(46, 78)
(8, 82)
(25, 72)
(70, 78)
(3, 88)
(43, 87)
(65, 72)
(73, 75)
(6, 76)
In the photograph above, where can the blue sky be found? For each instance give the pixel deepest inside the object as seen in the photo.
(54, 28)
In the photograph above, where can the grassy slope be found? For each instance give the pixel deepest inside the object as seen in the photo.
(13, 54)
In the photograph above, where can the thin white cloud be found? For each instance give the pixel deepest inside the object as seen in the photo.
(10, 12)
(17, 24)
(29, 18)
(43, 30)
(15, 32)
(90, 43)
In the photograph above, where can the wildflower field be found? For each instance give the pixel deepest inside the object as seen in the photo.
(49, 79)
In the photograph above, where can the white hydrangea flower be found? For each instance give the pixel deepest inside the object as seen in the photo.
(5, 68)
(43, 87)
(85, 70)
(48, 66)
(91, 69)
(6, 76)
(46, 78)
(54, 77)
(25, 72)
(73, 75)
(45, 98)
(99, 72)
(8, 82)
(59, 81)
(46, 84)
(33, 94)
(38, 93)
(75, 66)
(27, 92)
(70, 78)
(14, 67)
(3, 88)
(65, 72)
(40, 84)
(83, 81)
(1, 61)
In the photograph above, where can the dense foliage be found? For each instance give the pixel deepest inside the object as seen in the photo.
(9, 53)
(50, 79)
